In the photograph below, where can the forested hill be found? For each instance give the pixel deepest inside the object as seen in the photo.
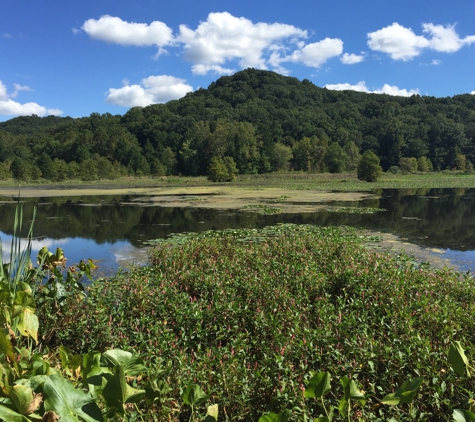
(262, 120)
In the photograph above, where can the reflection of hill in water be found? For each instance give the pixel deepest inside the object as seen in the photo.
(442, 218)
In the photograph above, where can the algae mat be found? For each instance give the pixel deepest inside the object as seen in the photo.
(211, 197)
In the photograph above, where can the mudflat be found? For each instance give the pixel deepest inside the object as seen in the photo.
(211, 197)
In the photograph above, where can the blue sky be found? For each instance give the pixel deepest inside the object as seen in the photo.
(73, 58)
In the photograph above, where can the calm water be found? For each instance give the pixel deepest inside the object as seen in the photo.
(106, 229)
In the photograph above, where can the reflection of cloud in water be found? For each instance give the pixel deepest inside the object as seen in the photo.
(36, 244)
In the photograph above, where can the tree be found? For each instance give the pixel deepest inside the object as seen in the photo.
(368, 167)
(222, 169)
(408, 164)
(281, 156)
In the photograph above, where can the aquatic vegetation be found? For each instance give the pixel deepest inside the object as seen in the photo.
(251, 315)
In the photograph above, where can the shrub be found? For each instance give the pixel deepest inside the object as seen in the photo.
(369, 168)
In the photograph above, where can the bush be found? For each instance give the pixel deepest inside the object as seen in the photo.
(222, 169)
(369, 168)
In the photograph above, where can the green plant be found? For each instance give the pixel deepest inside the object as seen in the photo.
(368, 168)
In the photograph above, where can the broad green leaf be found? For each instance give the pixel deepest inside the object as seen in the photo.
(457, 359)
(32, 382)
(29, 324)
(351, 390)
(461, 415)
(405, 393)
(212, 413)
(7, 414)
(22, 397)
(321, 419)
(132, 363)
(6, 344)
(194, 395)
(117, 392)
(276, 417)
(61, 397)
(318, 385)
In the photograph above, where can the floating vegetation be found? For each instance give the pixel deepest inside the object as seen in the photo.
(263, 209)
(354, 210)
(281, 198)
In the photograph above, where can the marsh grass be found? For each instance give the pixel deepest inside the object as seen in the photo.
(292, 180)
(249, 314)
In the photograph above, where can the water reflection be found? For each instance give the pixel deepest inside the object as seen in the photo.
(106, 229)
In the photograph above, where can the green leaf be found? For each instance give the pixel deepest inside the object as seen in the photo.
(7, 414)
(276, 417)
(318, 385)
(212, 413)
(461, 415)
(351, 390)
(68, 402)
(194, 395)
(117, 392)
(6, 344)
(22, 398)
(132, 363)
(28, 324)
(405, 393)
(457, 359)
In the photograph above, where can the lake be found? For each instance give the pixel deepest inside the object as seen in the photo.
(112, 228)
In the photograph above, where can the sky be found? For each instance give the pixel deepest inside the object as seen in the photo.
(74, 58)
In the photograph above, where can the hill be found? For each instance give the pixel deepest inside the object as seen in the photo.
(264, 121)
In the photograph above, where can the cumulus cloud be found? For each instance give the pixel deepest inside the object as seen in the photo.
(152, 90)
(473, 93)
(315, 54)
(225, 37)
(115, 30)
(403, 44)
(351, 58)
(445, 39)
(361, 87)
(8, 107)
(203, 69)
(399, 42)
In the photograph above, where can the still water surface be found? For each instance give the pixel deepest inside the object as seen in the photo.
(106, 229)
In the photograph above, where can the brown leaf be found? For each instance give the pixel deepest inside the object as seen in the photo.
(50, 416)
(35, 403)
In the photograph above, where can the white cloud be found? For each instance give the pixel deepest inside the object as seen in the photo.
(436, 62)
(7, 35)
(403, 44)
(14, 108)
(473, 93)
(225, 37)
(445, 39)
(360, 86)
(351, 58)
(399, 42)
(203, 69)
(115, 30)
(8, 107)
(386, 89)
(75, 31)
(152, 90)
(394, 90)
(315, 54)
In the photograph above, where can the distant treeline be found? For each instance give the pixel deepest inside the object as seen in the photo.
(263, 121)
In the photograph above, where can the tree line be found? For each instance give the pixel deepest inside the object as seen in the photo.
(254, 121)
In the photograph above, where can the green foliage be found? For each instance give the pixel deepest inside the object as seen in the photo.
(369, 169)
(248, 315)
(222, 169)
(409, 164)
(253, 116)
